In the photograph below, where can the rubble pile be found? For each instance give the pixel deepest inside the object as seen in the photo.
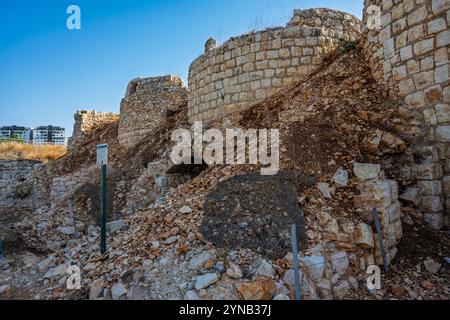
(342, 145)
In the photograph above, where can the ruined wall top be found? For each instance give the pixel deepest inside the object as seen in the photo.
(249, 68)
(86, 121)
(145, 106)
(326, 18)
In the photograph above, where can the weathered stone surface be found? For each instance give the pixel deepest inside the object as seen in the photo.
(198, 261)
(249, 68)
(115, 226)
(325, 189)
(365, 171)
(118, 290)
(340, 178)
(234, 271)
(315, 267)
(413, 196)
(262, 289)
(205, 281)
(340, 262)
(265, 270)
(96, 288)
(432, 266)
(364, 236)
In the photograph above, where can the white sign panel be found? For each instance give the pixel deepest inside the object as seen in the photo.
(102, 154)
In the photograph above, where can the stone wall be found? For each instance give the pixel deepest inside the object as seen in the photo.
(146, 104)
(15, 173)
(86, 121)
(409, 56)
(64, 186)
(248, 69)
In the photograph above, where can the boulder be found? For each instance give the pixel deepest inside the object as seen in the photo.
(262, 289)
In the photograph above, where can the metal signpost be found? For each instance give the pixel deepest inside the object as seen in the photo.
(380, 239)
(298, 292)
(102, 160)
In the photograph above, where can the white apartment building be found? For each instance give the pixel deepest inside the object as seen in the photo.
(18, 132)
(49, 135)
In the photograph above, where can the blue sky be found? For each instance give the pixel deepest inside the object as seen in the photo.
(47, 72)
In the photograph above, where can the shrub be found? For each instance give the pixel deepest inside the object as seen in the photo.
(346, 46)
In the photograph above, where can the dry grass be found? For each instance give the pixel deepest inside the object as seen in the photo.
(20, 151)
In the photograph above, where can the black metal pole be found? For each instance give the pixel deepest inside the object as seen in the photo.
(103, 224)
(298, 292)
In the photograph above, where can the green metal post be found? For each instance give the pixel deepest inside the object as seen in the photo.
(103, 226)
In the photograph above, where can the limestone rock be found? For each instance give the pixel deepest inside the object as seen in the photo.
(315, 267)
(234, 271)
(96, 289)
(325, 189)
(340, 178)
(366, 171)
(432, 266)
(191, 295)
(205, 281)
(262, 289)
(413, 196)
(265, 270)
(118, 290)
(114, 226)
(364, 236)
(185, 210)
(198, 261)
(5, 288)
(340, 262)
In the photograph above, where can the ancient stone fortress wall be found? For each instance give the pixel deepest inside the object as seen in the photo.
(146, 104)
(12, 174)
(86, 121)
(409, 55)
(248, 69)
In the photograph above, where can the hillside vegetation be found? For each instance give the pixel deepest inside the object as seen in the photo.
(21, 151)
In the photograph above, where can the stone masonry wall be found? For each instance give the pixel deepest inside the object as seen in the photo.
(252, 67)
(409, 56)
(86, 121)
(145, 105)
(12, 174)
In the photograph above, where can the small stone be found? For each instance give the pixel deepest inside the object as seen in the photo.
(219, 267)
(205, 281)
(325, 189)
(281, 297)
(265, 270)
(234, 271)
(114, 226)
(185, 210)
(340, 178)
(171, 240)
(118, 290)
(432, 266)
(96, 289)
(68, 231)
(340, 262)
(427, 285)
(366, 171)
(5, 288)
(263, 289)
(199, 260)
(191, 295)
(44, 264)
(315, 267)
